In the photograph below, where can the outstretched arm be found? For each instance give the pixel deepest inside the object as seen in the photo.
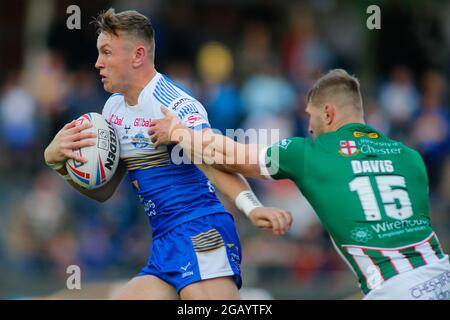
(207, 147)
(236, 188)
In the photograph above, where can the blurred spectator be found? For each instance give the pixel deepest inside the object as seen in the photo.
(431, 128)
(399, 100)
(18, 122)
(220, 97)
(304, 53)
(375, 117)
(38, 221)
(255, 51)
(84, 95)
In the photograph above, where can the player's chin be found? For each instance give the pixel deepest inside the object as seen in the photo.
(107, 87)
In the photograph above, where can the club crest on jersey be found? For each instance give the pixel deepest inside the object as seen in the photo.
(348, 148)
(140, 141)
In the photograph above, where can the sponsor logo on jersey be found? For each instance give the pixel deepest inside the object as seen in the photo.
(142, 122)
(371, 146)
(116, 120)
(389, 229)
(193, 120)
(371, 135)
(139, 141)
(284, 143)
(362, 235)
(180, 102)
(348, 148)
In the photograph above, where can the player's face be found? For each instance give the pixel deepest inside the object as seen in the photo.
(114, 62)
(316, 124)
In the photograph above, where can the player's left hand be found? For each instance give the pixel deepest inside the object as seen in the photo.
(161, 129)
(278, 220)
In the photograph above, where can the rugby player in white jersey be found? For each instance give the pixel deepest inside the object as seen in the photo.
(196, 252)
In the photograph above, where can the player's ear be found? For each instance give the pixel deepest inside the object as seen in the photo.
(140, 54)
(330, 113)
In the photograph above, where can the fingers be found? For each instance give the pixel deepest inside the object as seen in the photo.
(79, 144)
(75, 129)
(285, 221)
(288, 217)
(83, 135)
(154, 122)
(166, 112)
(155, 140)
(276, 225)
(70, 125)
(75, 155)
(281, 221)
(263, 224)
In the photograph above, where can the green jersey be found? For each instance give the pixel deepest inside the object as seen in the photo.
(369, 192)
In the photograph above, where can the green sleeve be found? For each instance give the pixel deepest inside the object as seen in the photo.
(285, 159)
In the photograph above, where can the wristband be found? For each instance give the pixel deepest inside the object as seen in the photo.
(55, 166)
(246, 201)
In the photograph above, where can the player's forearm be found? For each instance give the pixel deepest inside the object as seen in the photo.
(101, 194)
(234, 186)
(219, 151)
(229, 184)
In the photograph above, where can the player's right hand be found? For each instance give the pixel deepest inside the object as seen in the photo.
(71, 137)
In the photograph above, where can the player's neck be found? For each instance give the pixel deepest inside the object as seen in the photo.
(138, 84)
(342, 122)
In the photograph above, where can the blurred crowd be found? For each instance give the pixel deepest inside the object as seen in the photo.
(251, 67)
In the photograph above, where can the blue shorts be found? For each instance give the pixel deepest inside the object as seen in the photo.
(203, 248)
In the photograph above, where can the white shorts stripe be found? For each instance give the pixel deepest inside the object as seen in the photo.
(213, 264)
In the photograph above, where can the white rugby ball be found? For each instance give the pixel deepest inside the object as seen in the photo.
(102, 158)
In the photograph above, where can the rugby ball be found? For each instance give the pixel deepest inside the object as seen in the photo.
(102, 158)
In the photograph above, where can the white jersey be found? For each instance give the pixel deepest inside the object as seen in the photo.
(132, 122)
(172, 192)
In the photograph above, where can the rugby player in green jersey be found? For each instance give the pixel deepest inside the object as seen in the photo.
(370, 192)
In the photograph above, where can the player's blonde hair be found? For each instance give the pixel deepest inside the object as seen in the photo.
(132, 22)
(336, 86)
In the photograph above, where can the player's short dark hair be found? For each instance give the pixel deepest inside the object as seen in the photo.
(130, 21)
(336, 83)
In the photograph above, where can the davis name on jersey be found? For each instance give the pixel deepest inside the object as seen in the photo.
(171, 193)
